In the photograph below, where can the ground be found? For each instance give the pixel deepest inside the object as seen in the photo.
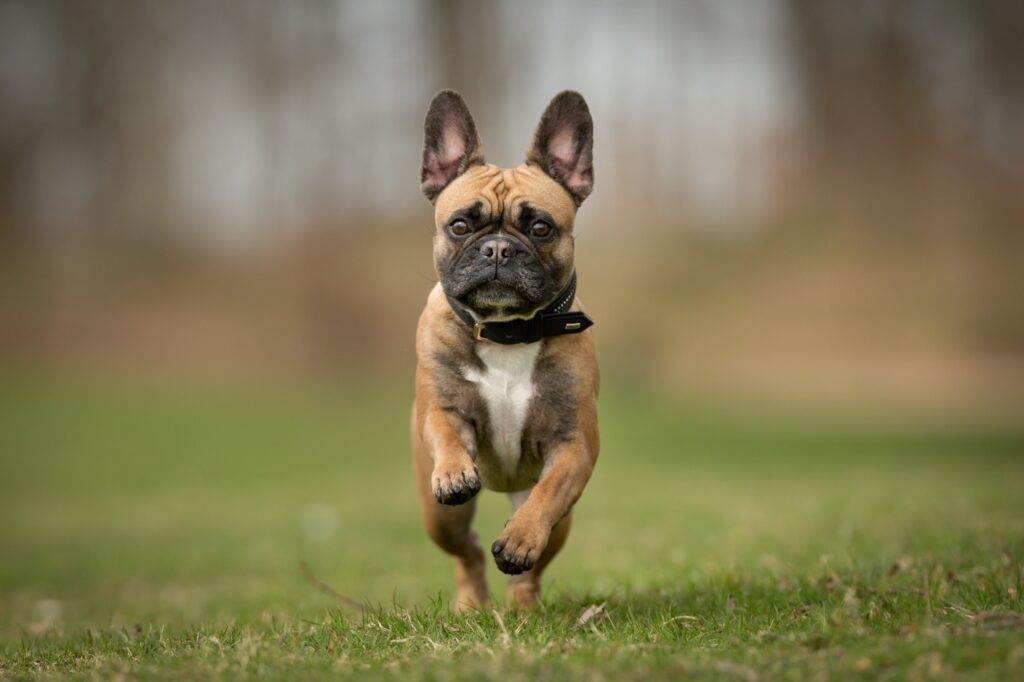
(159, 532)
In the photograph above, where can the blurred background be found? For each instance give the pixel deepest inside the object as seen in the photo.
(815, 200)
(213, 253)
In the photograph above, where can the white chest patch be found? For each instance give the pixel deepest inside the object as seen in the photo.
(506, 385)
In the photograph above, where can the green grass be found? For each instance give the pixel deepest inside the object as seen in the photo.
(158, 533)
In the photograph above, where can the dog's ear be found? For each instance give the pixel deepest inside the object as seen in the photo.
(450, 143)
(564, 144)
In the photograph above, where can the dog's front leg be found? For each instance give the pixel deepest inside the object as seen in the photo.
(526, 534)
(455, 479)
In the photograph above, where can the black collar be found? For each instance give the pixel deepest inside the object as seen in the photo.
(551, 321)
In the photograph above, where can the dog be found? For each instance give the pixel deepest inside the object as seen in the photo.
(506, 376)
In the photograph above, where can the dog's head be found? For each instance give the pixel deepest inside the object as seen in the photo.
(504, 244)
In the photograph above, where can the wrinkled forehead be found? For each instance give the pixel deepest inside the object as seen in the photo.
(504, 191)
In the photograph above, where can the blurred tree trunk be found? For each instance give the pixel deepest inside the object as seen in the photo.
(468, 35)
(881, 159)
(869, 129)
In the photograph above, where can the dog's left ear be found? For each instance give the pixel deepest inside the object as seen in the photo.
(564, 144)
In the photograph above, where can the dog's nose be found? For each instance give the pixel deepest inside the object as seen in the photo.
(498, 251)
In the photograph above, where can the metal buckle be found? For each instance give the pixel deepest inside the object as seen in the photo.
(478, 331)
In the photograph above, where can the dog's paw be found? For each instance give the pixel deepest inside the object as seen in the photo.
(455, 484)
(518, 548)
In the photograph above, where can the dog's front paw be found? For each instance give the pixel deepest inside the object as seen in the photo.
(456, 483)
(519, 547)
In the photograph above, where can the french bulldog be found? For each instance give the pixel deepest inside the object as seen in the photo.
(506, 377)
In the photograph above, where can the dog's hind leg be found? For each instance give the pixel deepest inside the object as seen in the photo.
(450, 527)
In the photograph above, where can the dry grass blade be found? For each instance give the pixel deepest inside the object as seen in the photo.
(590, 613)
(506, 639)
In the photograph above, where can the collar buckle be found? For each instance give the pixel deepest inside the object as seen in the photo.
(478, 331)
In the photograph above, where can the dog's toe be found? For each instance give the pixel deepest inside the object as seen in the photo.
(511, 560)
(456, 488)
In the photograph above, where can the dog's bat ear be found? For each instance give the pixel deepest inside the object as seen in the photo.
(564, 144)
(450, 143)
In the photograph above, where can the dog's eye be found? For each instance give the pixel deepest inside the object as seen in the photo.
(540, 229)
(459, 228)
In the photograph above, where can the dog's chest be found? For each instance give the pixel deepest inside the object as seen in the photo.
(505, 384)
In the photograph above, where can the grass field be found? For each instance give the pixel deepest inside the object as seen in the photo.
(159, 533)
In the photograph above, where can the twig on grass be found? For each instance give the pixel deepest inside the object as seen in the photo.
(927, 595)
(328, 590)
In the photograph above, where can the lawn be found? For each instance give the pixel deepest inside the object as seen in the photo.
(159, 532)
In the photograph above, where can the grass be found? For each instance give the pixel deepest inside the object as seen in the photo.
(158, 532)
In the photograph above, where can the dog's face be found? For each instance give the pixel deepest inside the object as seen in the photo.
(504, 244)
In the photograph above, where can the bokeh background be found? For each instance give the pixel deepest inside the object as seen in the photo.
(818, 200)
(213, 252)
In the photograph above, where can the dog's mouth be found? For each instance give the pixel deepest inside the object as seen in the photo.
(495, 298)
(501, 292)
(495, 293)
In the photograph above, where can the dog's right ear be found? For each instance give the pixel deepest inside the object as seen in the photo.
(450, 143)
